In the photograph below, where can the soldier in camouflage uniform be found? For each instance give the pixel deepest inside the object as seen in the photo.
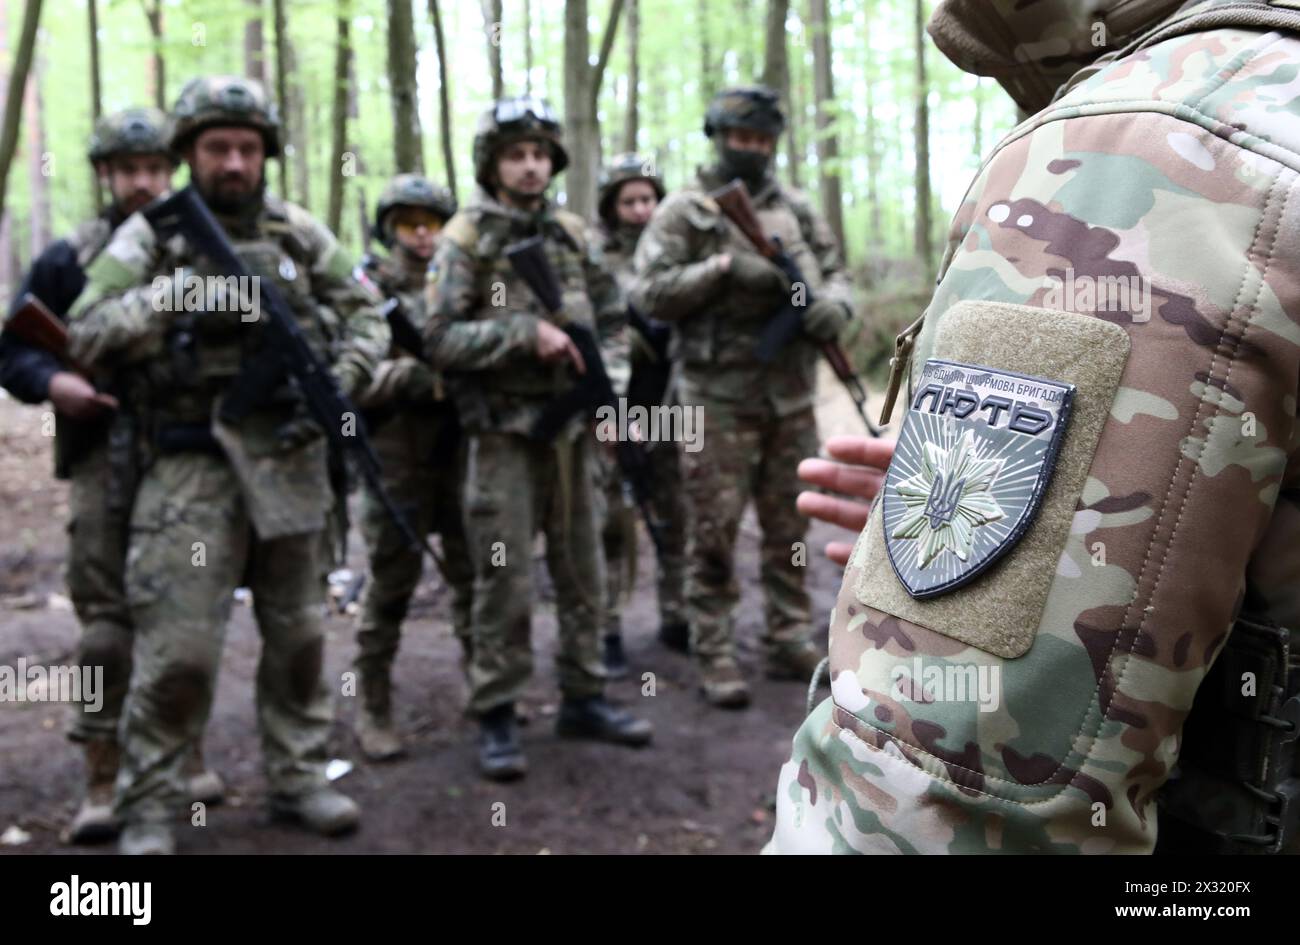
(509, 359)
(414, 431)
(224, 503)
(629, 191)
(129, 153)
(696, 270)
(1138, 238)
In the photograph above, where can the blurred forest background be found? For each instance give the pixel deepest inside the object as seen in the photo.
(884, 133)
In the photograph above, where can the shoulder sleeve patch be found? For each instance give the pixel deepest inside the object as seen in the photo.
(990, 464)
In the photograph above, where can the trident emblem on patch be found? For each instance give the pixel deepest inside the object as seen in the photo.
(975, 455)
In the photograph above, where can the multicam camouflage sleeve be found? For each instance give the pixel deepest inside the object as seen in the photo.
(1098, 469)
(671, 284)
(609, 308)
(115, 320)
(455, 338)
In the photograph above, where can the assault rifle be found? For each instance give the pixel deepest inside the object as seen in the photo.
(593, 389)
(284, 354)
(787, 321)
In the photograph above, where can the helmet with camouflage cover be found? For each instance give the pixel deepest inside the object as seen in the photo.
(747, 106)
(516, 119)
(411, 190)
(1034, 49)
(621, 169)
(130, 131)
(224, 100)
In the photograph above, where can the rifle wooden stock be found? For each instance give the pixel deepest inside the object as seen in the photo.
(734, 201)
(34, 324)
(787, 323)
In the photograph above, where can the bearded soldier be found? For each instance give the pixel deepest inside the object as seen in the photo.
(696, 270)
(415, 435)
(1068, 625)
(225, 502)
(509, 358)
(629, 191)
(92, 449)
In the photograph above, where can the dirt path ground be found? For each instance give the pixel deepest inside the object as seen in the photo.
(706, 784)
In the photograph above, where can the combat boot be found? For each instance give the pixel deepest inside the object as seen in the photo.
(795, 661)
(324, 811)
(615, 659)
(722, 684)
(203, 785)
(500, 756)
(676, 636)
(379, 739)
(94, 821)
(146, 839)
(595, 718)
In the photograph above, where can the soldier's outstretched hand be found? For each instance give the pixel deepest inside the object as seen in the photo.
(553, 344)
(856, 469)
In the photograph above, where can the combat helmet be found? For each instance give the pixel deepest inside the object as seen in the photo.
(411, 190)
(224, 100)
(130, 131)
(621, 169)
(516, 119)
(747, 106)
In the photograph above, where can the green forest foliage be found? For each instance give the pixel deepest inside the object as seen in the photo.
(688, 49)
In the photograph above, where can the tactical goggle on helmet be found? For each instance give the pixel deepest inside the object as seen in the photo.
(513, 119)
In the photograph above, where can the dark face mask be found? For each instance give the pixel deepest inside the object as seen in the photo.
(750, 166)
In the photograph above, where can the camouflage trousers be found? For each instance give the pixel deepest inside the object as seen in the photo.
(514, 488)
(618, 516)
(192, 544)
(746, 456)
(426, 489)
(95, 575)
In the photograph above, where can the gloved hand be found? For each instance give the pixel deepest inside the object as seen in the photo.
(753, 273)
(825, 319)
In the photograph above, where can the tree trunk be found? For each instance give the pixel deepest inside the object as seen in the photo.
(340, 164)
(708, 70)
(776, 69)
(528, 47)
(38, 183)
(581, 93)
(492, 31)
(828, 145)
(632, 119)
(96, 89)
(14, 93)
(408, 152)
(580, 179)
(254, 46)
(296, 126)
(745, 21)
(796, 123)
(979, 119)
(444, 98)
(921, 237)
(153, 13)
(873, 152)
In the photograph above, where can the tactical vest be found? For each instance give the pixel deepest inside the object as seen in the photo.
(206, 349)
(484, 236)
(724, 333)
